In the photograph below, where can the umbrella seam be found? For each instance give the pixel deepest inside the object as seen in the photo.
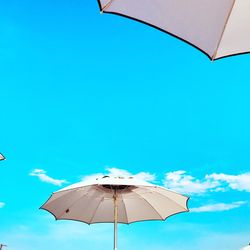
(48, 201)
(184, 207)
(173, 201)
(172, 34)
(223, 31)
(125, 209)
(150, 205)
(92, 217)
(71, 205)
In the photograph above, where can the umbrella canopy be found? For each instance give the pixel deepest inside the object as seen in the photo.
(217, 28)
(115, 200)
(1, 158)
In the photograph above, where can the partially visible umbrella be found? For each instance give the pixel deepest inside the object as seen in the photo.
(218, 28)
(115, 200)
(246, 248)
(1, 246)
(1, 158)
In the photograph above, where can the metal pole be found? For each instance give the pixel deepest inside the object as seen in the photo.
(115, 219)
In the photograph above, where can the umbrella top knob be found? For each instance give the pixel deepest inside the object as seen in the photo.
(105, 176)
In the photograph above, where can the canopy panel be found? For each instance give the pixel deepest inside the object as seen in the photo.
(95, 203)
(236, 38)
(217, 28)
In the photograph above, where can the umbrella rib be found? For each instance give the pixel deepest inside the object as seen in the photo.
(56, 199)
(92, 217)
(172, 200)
(125, 209)
(224, 29)
(71, 205)
(186, 209)
(150, 205)
(63, 196)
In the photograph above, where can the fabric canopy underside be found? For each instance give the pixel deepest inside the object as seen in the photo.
(217, 28)
(94, 203)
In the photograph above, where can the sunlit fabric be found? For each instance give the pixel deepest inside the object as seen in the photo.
(217, 28)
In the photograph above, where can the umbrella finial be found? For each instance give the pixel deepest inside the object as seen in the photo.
(105, 176)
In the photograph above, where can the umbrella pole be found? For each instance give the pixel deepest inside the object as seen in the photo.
(115, 219)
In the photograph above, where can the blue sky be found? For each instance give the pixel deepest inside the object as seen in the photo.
(83, 93)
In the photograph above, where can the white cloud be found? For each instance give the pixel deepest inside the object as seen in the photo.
(41, 174)
(115, 172)
(218, 207)
(184, 183)
(91, 177)
(239, 182)
(145, 176)
(2, 204)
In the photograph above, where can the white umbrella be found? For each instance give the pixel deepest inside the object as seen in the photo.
(116, 200)
(1, 158)
(219, 28)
